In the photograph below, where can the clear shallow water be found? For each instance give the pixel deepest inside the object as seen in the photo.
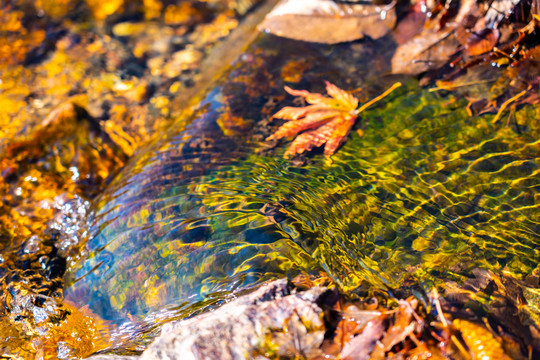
(427, 192)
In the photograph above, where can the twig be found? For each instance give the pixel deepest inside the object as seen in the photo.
(508, 102)
(446, 326)
(452, 87)
(439, 308)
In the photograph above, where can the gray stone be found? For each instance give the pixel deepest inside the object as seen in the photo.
(113, 357)
(273, 318)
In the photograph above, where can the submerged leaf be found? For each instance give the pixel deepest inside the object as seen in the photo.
(361, 346)
(327, 120)
(482, 41)
(481, 343)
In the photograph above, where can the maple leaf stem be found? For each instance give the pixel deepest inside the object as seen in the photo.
(373, 101)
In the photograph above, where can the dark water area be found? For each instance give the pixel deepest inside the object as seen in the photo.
(422, 192)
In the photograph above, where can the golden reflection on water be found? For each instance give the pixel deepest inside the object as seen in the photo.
(426, 193)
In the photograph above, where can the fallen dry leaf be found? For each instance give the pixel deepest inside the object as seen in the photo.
(411, 24)
(361, 346)
(327, 120)
(403, 326)
(329, 22)
(481, 42)
(434, 45)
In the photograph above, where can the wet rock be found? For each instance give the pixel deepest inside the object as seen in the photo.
(113, 357)
(269, 317)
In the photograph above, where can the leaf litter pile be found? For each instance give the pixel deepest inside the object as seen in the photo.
(488, 317)
(455, 44)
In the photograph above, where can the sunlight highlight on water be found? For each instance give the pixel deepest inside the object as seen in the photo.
(427, 193)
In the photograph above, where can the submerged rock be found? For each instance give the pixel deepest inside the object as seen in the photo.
(186, 222)
(208, 210)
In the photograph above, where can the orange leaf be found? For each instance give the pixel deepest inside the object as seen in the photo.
(342, 97)
(292, 113)
(327, 120)
(482, 42)
(309, 121)
(333, 134)
(312, 98)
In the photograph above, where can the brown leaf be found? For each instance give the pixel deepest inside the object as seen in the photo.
(327, 120)
(326, 21)
(411, 24)
(402, 327)
(353, 322)
(361, 346)
(423, 52)
(481, 42)
(434, 45)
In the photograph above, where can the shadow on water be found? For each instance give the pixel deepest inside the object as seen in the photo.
(426, 193)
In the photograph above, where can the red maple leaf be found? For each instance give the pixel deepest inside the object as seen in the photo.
(327, 120)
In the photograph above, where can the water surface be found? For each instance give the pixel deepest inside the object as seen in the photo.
(424, 192)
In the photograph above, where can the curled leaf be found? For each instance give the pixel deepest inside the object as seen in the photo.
(482, 41)
(329, 22)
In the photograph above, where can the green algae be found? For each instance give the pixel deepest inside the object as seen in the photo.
(427, 191)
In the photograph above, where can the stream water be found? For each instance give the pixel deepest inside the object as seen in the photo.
(422, 191)
(104, 239)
